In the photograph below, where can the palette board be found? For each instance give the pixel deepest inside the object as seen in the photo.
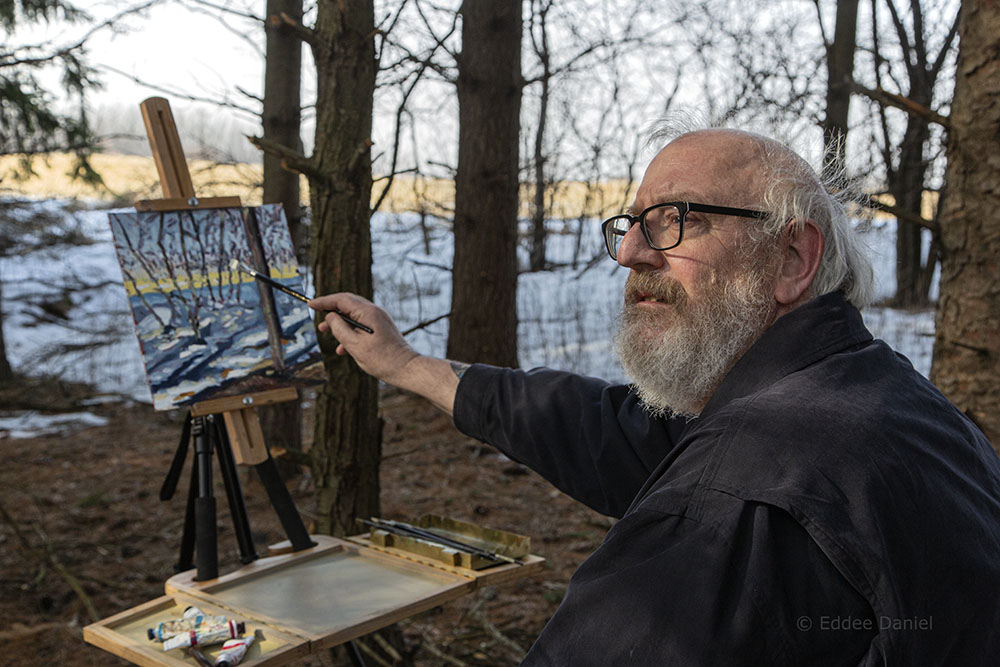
(301, 602)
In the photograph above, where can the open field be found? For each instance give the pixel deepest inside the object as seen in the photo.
(128, 178)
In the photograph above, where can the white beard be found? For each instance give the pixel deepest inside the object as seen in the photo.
(677, 358)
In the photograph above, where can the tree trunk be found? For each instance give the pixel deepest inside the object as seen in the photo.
(840, 75)
(281, 117)
(281, 120)
(6, 372)
(966, 343)
(484, 305)
(347, 446)
(538, 209)
(907, 186)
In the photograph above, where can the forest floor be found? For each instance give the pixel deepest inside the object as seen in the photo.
(81, 525)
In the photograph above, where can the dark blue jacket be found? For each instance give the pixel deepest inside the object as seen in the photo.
(828, 507)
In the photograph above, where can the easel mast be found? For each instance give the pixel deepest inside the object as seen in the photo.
(175, 178)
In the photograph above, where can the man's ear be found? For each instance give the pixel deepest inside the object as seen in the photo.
(803, 249)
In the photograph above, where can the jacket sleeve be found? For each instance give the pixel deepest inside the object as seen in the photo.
(590, 439)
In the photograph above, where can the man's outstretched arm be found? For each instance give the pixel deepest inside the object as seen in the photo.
(385, 354)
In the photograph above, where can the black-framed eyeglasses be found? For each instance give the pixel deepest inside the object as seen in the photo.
(662, 224)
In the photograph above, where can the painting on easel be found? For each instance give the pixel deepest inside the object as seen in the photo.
(207, 329)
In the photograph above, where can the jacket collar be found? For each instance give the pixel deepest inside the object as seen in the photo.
(819, 328)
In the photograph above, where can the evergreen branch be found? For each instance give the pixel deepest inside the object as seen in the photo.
(64, 51)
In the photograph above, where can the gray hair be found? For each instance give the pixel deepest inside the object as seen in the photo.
(792, 190)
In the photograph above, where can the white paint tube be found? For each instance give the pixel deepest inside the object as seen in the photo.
(205, 635)
(192, 619)
(233, 651)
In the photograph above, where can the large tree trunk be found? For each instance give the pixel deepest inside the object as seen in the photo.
(281, 121)
(840, 76)
(484, 305)
(347, 447)
(966, 342)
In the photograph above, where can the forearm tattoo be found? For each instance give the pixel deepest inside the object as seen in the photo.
(459, 368)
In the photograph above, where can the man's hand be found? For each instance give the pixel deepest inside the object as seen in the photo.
(385, 354)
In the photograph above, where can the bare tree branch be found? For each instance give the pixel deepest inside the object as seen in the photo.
(946, 46)
(886, 98)
(211, 10)
(290, 159)
(225, 9)
(255, 115)
(307, 35)
(903, 214)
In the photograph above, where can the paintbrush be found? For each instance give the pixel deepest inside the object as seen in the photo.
(237, 264)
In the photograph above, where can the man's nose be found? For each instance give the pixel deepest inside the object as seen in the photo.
(635, 253)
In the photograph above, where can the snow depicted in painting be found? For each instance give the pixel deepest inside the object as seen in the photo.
(202, 327)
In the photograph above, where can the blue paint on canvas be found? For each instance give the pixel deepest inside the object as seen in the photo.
(201, 325)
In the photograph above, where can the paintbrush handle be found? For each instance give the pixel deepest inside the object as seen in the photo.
(354, 323)
(302, 297)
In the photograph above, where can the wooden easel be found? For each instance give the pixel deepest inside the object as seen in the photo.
(175, 179)
(239, 413)
(306, 598)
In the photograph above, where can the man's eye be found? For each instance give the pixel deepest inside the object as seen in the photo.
(662, 217)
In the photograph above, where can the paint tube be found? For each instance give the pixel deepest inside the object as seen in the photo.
(233, 651)
(192, 619)
(212, 634)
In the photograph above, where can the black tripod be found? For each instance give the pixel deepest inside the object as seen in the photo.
(199, 544)
(199, 537)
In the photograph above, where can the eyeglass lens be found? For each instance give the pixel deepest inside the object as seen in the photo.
(662, 228)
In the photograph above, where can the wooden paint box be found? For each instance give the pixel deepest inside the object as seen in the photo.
(301, 602)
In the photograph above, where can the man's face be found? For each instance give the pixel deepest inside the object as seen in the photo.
(692, 311)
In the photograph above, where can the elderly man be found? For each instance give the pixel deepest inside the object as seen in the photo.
(790, 491)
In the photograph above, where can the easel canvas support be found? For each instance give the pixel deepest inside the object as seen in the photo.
(229, 426)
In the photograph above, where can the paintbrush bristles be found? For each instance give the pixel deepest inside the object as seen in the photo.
(237, 264)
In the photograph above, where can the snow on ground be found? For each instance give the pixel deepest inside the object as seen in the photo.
(32, 424)
(566, 316)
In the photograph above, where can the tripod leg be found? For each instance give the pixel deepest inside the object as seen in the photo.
(354, 654)
(177, 465)
(282, 502)
(234, 494)
(206, 539)
(186, 560)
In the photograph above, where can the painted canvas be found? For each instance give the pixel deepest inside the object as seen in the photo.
(206, 329)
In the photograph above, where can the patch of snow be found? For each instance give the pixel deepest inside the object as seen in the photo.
(31, 423)
(566, 316)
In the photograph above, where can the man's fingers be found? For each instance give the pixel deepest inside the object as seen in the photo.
(345, 302)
